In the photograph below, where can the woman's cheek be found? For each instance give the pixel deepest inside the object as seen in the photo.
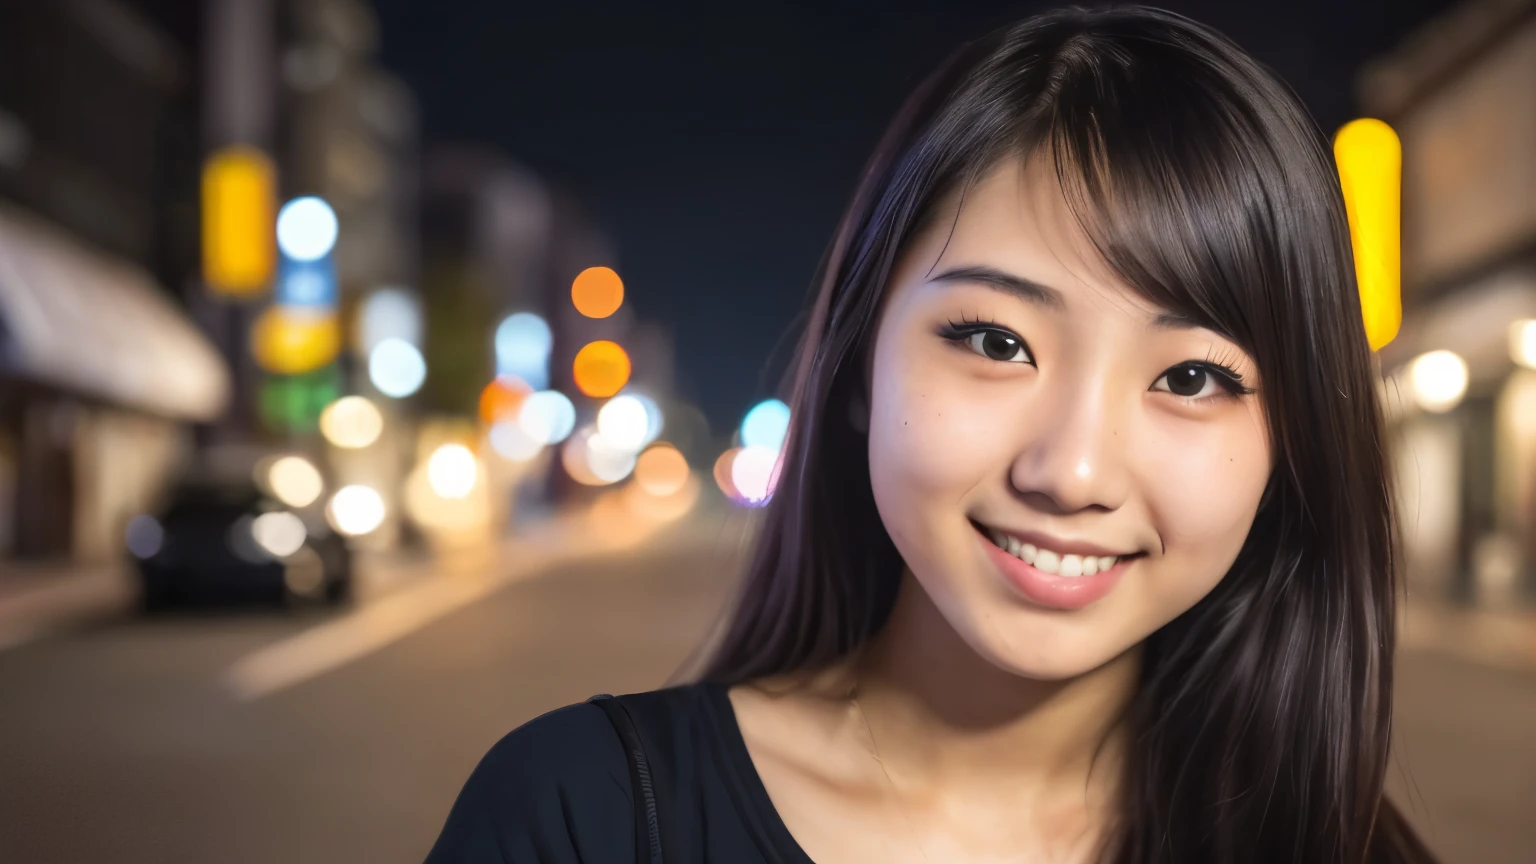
(1205, 486)
(940, 436)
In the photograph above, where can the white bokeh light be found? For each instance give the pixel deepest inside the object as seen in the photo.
(396, 368)
(306, 228)
(351, 423)
(1438, 379)
(623, 423)
(279, 532)
(607, 461)
(356, 510)
(510, 440)
(547, 417)
(655, 420)
(295, 481)
(452, 471)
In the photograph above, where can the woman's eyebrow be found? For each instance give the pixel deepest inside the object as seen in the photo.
(1017, 286)
(1043, 295)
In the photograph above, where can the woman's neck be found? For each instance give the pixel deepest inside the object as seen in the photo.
(958, 725)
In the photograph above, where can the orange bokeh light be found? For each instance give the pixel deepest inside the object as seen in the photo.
(502, 398)
(723, 473)
(601, 369)
(661, 470)
(597, 292)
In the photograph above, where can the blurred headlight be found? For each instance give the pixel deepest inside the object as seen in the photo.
(279, 532)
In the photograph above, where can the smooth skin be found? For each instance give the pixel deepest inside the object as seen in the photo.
(1016, 383)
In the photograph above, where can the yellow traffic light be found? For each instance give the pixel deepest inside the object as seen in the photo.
(1370, 161)
(239, 215)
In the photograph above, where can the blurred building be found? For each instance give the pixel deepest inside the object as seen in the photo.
(1462, 95)
(100, 368)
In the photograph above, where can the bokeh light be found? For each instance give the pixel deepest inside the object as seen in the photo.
(502, 399)
(144, 536)
(623, 423)
(754, 472)
(655, 420)
(766, 425)
(356, 510)
(510, 441)
(351, 422)
(661, 470)
(573, 457)
(1522, 342)
(388, 313)
(289, 341)
(547, 417)
(396, 368)
(452, 470)
(306, 228)
(609, 462)
(295, 481)
(597, 292)
(1438, 379)
(237, 215)
(1369, 157)
(523, 342)
(279, 532)
(601, 369)
(723, 473)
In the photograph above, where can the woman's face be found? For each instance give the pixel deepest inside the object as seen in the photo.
(1033, 421)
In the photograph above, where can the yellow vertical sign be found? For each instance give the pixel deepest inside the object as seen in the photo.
(1370, 160)
(239, 215)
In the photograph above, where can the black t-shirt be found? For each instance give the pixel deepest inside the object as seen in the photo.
(557, 790)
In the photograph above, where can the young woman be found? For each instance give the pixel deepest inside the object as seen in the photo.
(1082, 549)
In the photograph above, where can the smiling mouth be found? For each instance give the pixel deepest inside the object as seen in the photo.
(1051, 561)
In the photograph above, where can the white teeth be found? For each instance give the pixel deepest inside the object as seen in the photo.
(1050, 562)
(1047, 561)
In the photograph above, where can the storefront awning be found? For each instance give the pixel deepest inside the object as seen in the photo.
(78, 319)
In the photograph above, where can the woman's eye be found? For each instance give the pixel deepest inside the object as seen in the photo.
(998, 345)
(1192, 381)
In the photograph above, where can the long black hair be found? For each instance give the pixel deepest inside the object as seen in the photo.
(1261, 726)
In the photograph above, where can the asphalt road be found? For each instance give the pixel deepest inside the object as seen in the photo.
(128, 744)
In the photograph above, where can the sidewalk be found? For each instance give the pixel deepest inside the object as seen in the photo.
(38, 598)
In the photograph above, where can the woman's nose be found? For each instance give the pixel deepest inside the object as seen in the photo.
(1072, 451)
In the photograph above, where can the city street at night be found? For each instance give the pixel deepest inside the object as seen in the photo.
(378, 376)
(135, 742)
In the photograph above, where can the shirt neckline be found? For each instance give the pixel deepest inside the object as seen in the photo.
(778, 842)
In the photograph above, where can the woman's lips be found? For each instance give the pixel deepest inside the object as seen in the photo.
(1049, 590)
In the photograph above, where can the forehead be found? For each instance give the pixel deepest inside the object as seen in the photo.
(1016, 218)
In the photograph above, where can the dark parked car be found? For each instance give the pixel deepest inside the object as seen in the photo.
(227, 543)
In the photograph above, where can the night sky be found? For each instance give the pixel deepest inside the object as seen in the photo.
(717, 147)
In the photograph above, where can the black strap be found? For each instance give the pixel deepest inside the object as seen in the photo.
(647, 813)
